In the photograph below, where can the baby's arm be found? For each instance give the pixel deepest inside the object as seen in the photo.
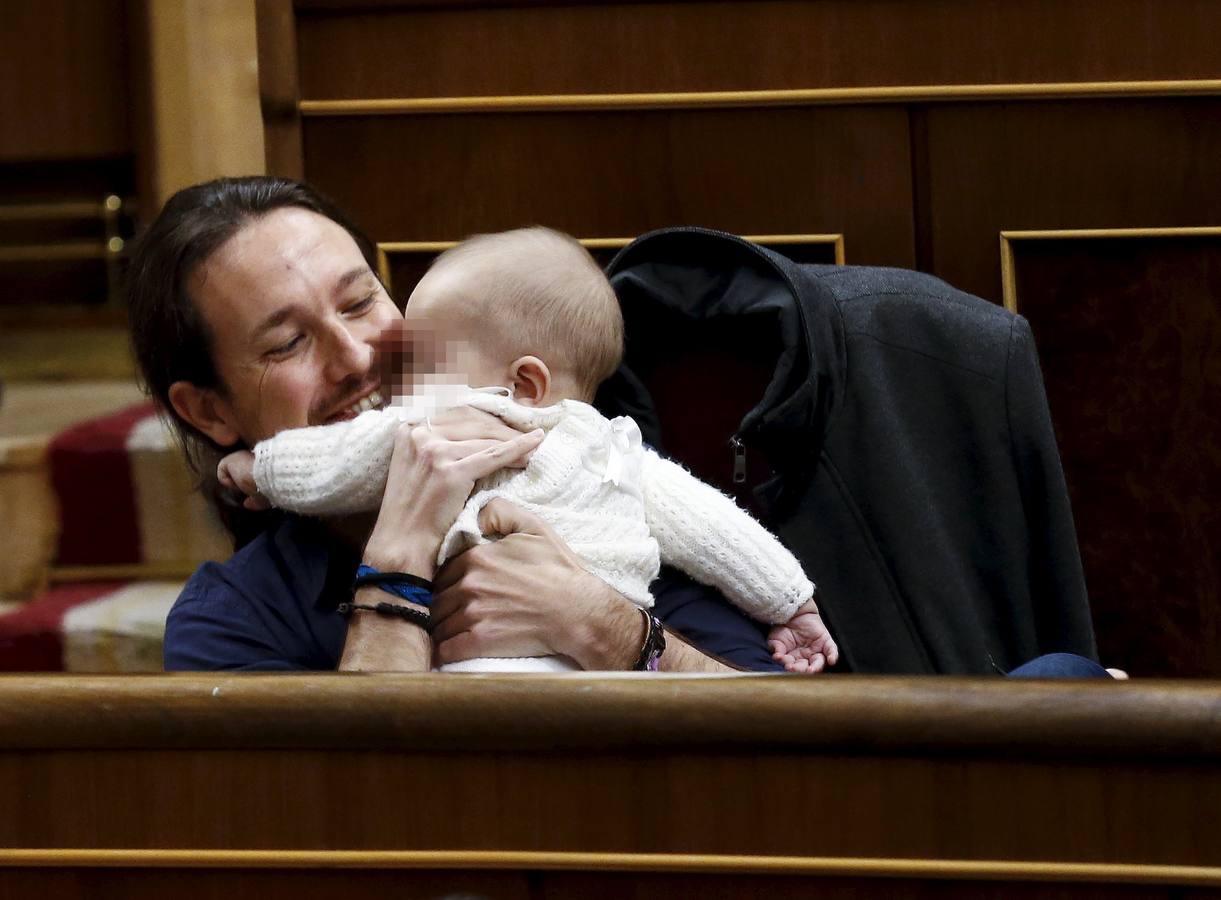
(328, 469)
(704, 533)
(236, 472)
(712, 539)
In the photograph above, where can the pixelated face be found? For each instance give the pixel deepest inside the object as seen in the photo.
(295, 313)
(439, 345)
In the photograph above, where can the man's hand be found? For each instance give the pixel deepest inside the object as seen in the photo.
(528, 594)
(803, 643)
(525, 594)
(432, 471)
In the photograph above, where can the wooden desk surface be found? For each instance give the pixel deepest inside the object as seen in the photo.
(545, 779)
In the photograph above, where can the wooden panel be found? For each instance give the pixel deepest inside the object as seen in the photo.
(248, 884)
(966, 775)
(402, 265)
(205, 92)
(942, 787)
(613, 886)
(748, 171)
(1129, 333)
(418, 50)
(1084, 164)
(858, 715)
(63, 79)
(278, 87)
(253, 884)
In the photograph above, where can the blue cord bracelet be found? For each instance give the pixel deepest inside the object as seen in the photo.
(411, 588)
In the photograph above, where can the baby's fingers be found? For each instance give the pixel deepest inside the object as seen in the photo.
(256, 502)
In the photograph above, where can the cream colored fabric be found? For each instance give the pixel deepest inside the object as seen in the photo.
(177, 525)
(29, 517)
(122, 632)
(621, 508)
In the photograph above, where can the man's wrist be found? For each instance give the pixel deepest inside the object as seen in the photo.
(412, 559)
(371, 595)
(612, 636)
(376, 643)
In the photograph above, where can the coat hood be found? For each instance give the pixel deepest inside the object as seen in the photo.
(683, 281)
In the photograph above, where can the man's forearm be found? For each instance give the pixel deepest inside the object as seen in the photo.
(616, 635)
(376, 643)
(679, 656)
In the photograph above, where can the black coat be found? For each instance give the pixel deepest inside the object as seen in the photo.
(916, 475)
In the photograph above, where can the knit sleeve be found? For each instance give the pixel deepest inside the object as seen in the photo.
(328, 469)
(705, 534)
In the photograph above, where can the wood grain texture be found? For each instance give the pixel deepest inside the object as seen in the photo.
(312, 885)
(401, 266)
(1023, 789)
(447, 49)
(762, 98)
(63, 80)
(568, 861)
(1129, 331)
(565, 800)
(793, 171)
(884, 715)
(1084, 164)
(246, 884)
(276, 27)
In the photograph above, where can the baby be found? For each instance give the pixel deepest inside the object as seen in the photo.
(530, 318)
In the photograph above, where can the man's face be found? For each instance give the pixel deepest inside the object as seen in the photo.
(294, 311)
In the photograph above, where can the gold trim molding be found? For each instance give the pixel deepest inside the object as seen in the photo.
(387, 248)
(866, 867)
(931, 93)
(1007, 238)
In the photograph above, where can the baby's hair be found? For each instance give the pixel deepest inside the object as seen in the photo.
(542, 294)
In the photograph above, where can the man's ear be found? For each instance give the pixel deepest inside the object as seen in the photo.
(204, 409)
(531, 381)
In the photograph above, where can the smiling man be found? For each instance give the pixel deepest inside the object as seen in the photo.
(254, 308)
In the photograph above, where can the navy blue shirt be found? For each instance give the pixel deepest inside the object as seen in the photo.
(271, 606)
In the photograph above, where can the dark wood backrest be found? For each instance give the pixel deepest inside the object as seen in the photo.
(945, 136)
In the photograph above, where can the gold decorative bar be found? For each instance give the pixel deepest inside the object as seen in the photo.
(932, 93)
(998, 870)
(386, 248)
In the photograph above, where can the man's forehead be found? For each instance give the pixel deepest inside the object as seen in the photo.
(283, 253)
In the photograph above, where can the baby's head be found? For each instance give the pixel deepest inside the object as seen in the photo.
(526, 309)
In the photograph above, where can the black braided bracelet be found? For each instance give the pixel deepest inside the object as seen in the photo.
(393, 610)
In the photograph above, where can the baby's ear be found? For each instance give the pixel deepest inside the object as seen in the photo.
(531, 381)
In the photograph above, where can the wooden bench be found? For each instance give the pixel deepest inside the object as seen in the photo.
(546, 786)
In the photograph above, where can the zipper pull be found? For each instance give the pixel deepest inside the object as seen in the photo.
(739, 459)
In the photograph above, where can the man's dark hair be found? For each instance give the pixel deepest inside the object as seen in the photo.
(170, 340)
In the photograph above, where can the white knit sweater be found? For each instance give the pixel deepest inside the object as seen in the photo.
(618, 505)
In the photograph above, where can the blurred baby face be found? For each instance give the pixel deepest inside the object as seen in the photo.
(435, 345)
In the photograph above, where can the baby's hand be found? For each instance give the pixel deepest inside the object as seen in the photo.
(803, 643)
(236, 471)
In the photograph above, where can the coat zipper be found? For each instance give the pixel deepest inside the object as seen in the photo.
(739, 459)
